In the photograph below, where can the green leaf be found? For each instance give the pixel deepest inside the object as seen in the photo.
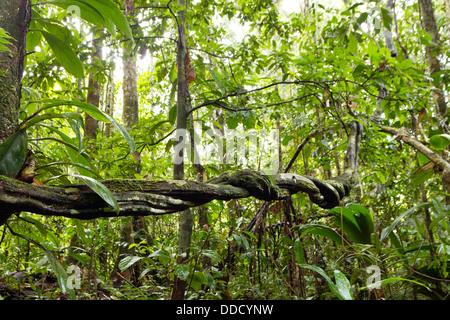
(101, 116)
(343, 285)
(341, 289)
(13, 152)
(100, 189)
(196, 280)
(181, 270)
(128, 261)
(420, 176)
(216, 79)
(363, 17)
(320, 230)
(233, 122)
(405, 64)
(61, 274)
(299, 252)
(162, 254)
(112, 14)
(387, 18)
(352, 46)
(42, 229)
(58, 30)
(33, 37)
(365, 221)
(440, 141)
(82, 10)
(93, 112)
(78, 165)
(212, 255)
(423, 160)
(357, 222)
(65, 55)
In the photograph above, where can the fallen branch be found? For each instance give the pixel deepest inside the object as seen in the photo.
(143, 197)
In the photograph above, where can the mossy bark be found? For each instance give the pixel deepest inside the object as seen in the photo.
(15, 17)
(143, 197)
(130, 114)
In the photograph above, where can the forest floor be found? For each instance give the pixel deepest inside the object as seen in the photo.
(20, 286)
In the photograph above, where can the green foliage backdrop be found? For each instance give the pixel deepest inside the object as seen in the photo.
(256, 68)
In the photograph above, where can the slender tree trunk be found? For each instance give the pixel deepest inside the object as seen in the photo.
(109, 103)
(433, 52)
(15, 16)
(185, 217)
(93, 96)
(130, 114)
(390, 5)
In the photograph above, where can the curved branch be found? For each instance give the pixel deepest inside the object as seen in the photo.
(143, 197)
(442, 165)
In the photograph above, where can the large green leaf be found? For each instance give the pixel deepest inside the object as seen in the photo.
(100, 189)
(128, 261)
(365, 221)
(342, 286)
(112, 15)
(440, 141)
(321, 230)
(65, 55)
(82, 10)
(299, 251)
(356, 221)
(13, 152)
(89, 109)
(181, 270)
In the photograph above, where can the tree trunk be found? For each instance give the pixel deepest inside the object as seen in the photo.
(15, 16)
(93, 96)
(433, 52)
(184, 217)
(109, 103)
(130, 114)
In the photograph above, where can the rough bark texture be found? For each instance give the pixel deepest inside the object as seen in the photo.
(142, 197)
(185, 219)
(109, 103)
(15, 17)
(441, 166)
(130, 114)
(93, 96)
(430, 26)
(390, 5)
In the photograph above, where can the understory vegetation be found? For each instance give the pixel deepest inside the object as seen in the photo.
(296, 80)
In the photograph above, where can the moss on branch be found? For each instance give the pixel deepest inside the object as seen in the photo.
(143, 197)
